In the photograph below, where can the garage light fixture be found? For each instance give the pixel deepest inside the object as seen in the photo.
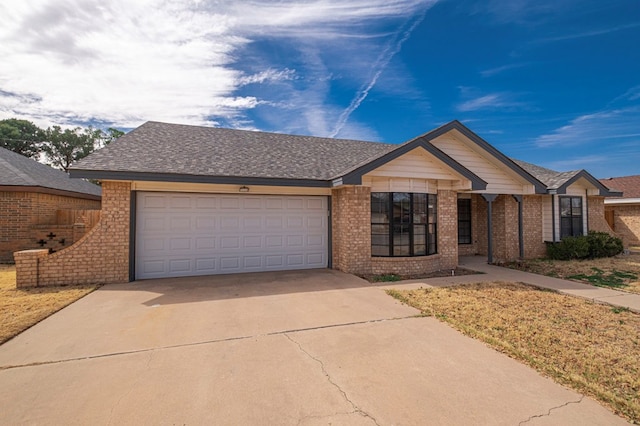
(244, 189)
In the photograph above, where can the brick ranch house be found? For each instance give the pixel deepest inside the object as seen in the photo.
(623, 213)
(35, 200)
(183, 200)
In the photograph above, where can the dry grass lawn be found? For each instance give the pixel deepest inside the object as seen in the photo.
(22, 308)
(620, 272)
(592, 348)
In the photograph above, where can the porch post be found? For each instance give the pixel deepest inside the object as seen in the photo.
(489, 198)
(518, 198)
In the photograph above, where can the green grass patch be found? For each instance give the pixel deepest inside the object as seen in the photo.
(615, 279)
(385, 278)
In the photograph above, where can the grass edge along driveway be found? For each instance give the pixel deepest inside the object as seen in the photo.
(592, 348)
(25, 307)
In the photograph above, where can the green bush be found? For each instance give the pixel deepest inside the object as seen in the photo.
(596, 244)
(602, 244)
(569, 248)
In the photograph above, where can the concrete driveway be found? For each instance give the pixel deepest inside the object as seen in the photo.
(313, 348)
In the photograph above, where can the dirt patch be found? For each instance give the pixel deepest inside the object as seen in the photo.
(22, 308)
(591, 347)
(402, 277)
(620, 272)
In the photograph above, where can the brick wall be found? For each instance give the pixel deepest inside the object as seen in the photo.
(23, 214)
(100, 257)
(351, 229)
(532, 227)
(505, 229)
(351, 236)
(448, 229)
(597, 221)
(626, 223)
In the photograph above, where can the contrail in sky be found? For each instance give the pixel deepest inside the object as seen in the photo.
(381, 63)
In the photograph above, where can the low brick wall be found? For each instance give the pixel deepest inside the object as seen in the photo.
(626, 223)
(23, 214)
(100, 257)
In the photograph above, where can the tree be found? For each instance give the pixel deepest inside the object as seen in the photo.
(110, 135)
(63, 147)
(21, 136)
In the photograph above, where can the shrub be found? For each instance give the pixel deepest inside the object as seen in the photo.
(569, 248)
(602, 244)
(596, 244)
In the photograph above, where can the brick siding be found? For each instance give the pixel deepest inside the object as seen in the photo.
(597, 221)
(27, 217)
(100, 257)
(534, 246)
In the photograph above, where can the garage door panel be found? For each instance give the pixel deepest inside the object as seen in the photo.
(181, 202)
(205, 234)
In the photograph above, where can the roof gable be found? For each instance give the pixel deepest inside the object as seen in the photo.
(559, 182)
(18, 171)
(354, 176)
(499, 169)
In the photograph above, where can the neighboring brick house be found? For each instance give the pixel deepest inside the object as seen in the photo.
(184, 200)
(33, 198)
(623, 213)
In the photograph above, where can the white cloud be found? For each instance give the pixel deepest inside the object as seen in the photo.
(491, 101)
(599, 127)
(124, 62)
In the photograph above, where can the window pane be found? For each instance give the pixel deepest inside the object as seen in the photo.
(379, 207)
(577, 226)
(464, 221)
(565, 227)
(576, 206)
(419, 240)
(401, 208)
(401, 239)
(565, 206)
(380, 240)
(419, 208)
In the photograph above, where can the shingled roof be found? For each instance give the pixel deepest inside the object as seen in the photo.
(182, 153)
(208, 151)
(17, 171)
(558, 181)
(629, 185)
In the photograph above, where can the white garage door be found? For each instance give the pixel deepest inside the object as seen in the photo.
(183, 234)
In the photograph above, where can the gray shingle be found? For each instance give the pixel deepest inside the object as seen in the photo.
(551, 178)
(206, 151)
(17, 170)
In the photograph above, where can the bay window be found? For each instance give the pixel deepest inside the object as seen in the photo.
(403, 224)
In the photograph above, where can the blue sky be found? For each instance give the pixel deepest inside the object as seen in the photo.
(556, 83)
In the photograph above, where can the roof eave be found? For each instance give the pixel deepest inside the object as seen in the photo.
(183, 178)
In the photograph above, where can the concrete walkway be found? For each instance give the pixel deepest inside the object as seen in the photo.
(496, 273)
(293, 348)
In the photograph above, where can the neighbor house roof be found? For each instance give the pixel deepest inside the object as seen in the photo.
(629, 185)
(19, 173)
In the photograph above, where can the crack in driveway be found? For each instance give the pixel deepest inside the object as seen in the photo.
(356, 409)
(548, 413)
(204, 342)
